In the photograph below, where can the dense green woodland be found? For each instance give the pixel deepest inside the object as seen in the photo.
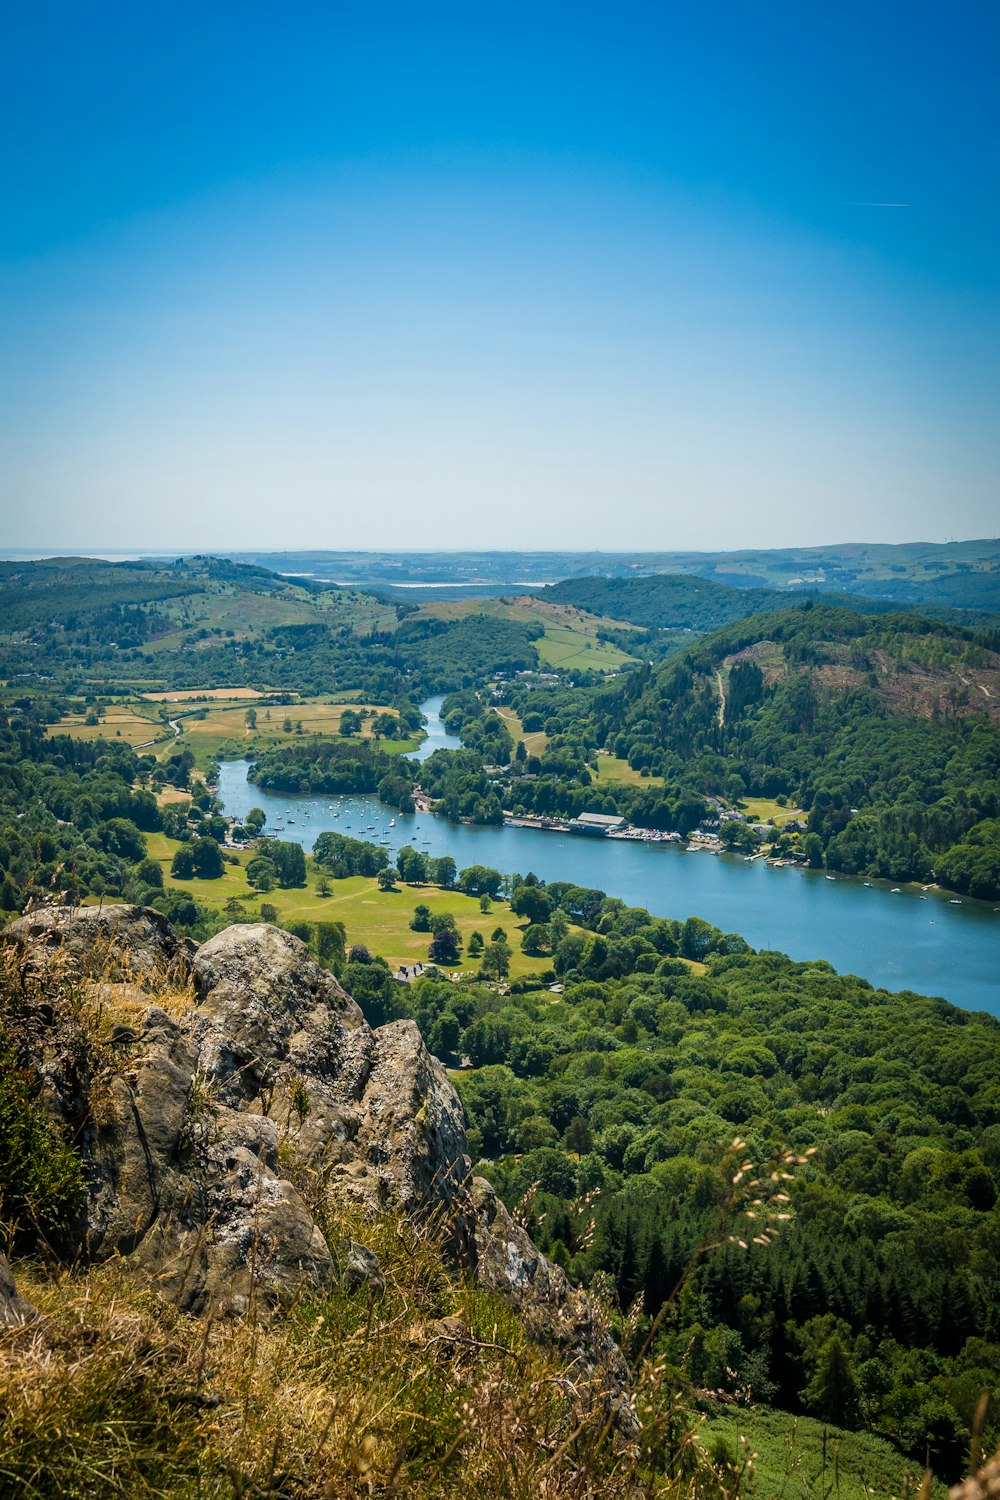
(70, 818)
(666, 601)
(685, 602)
(605, 1112)
(872, 726)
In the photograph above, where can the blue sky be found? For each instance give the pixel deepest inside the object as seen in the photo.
(456, 276)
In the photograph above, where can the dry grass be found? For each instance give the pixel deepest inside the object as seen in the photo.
(117, 723)
(428, 1389)
(182, 695)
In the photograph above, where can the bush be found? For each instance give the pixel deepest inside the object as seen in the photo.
(41, 1179)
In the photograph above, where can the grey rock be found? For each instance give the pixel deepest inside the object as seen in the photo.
(15, 1310)
(508, 1262)
(183, 1163)
(130, 942)
(359, 1268)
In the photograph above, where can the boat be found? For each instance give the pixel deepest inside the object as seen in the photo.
(894, 891)
(830, 877)
(954, 902)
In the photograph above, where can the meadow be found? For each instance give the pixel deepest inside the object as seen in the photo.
(534, 743)
(766, 810)
(378, 919)
(801, 1458)
(612, 770)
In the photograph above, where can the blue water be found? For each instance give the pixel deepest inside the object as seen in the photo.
(914, 940)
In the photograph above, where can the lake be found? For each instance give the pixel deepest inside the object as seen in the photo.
(912, 940)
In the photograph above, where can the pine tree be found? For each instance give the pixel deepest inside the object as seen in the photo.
(832, 1392)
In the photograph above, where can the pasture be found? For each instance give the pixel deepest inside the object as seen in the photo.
(212, 722)
(122, 721)
(378, 919)
(534, 743)
(765, 810)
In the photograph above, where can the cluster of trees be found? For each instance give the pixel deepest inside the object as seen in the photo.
(335, 766)
(71, 822)
(608, 1112)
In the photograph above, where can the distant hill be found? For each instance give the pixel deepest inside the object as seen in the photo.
(957, 575)
(885, 729)
(72, 623)
(670, 601)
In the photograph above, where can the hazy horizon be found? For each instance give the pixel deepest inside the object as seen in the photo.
(463, 281)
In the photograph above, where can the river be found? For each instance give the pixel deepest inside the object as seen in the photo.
(911, 940)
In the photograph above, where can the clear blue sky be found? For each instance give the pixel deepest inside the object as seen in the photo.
(400, 275)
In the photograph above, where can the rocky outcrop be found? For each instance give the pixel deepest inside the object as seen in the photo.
(109, 941)
(198, 1125)
(15, 1311)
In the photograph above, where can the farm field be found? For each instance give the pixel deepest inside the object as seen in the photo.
(183, 695)
(121, 721)
(217, 723)
(378, 919)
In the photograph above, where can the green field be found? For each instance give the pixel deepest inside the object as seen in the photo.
(136, 724)
(799, 1458)
(568, 650)
(613, 771)
(224, 727)
(534, 743)
(765, 809)
(378, 919)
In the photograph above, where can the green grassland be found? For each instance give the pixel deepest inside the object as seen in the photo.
(223, 726)
(765, 810)
(569, 641)
(135, 723)
(613, 771)
(534, 743)
(378, 919)
(799, 1458)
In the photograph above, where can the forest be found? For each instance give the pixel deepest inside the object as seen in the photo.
(882, 730)
(678, 1082)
